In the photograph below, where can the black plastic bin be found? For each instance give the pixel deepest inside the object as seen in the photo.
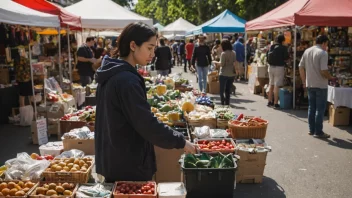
(209, 182)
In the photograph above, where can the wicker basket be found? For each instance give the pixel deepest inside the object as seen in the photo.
(248, 132)
(222, 124)
(80, 177)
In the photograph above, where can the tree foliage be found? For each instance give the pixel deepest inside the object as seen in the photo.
(200, 11)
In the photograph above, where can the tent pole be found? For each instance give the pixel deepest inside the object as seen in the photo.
(60, 66)
(245, 55)
(69, 56)
(294, 67)
(30, 64)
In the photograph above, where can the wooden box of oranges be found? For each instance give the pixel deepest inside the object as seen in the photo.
(74, 170)
(58, 190)
(16, 188)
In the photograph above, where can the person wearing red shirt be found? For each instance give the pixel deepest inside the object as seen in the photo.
(189, 52)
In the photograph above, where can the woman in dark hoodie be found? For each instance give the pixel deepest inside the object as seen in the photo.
(126, 130)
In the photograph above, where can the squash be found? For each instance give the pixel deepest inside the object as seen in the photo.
(187, 106)
(161, 90)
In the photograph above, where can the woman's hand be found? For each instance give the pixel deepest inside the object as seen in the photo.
(189, 148)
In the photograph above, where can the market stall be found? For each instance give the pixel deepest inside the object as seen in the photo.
(178, 27)
(304, 20)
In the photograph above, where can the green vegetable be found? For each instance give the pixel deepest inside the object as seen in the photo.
(204, 156)
(166, 108)
(189, 165)
(190, 158)
(202, 164)
(227, 161)
(215, 162)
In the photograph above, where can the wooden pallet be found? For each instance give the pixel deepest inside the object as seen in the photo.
(249, 179)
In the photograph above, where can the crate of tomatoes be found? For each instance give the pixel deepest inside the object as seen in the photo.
(216, 145)
(245, 127)
(130, 189)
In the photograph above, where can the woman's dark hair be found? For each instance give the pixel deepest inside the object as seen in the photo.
(138, 32)
(321, 39)
(191, 40)
(226, 45)
(280, 39)
(217, 42)
(162, 42)
(90, 38)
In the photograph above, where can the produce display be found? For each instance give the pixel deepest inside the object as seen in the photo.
(88, 114)
(94, 190)
(73, 165)
(251, 122)
(54, 189)
(83, 133)
(224, 113)
(202, 112)
(204, 160)
(220, 145)
(36, 156)
(2, 170)
(135, 188)
(15, 188)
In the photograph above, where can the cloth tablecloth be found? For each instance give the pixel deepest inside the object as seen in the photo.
(340, 96)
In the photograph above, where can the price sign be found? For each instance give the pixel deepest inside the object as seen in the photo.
(42, 130)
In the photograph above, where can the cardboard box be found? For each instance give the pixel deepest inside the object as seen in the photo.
(57, 110)
(249, 179)
(213, 77)
(259, 157)
(87, 146)
(262, 72)
(214, 87)
(54, 129)
(339, 116)
(167, 165)
(249, 168)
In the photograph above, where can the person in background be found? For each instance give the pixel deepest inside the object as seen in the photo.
(174, 47)
(250, 51)
(124, 149)
(182, 54)
(238, 47)
(189, 52)
(227, 71)
(23, 78)
(277, 57)
(85, 61)
(202, 55)
(217, 50)
(314, 73)
(162, 58)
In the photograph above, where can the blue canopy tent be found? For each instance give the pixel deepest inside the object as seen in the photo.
(159, 26)
(223, 23)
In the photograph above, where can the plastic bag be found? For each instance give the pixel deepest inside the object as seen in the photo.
(202, 132)
(26, 115)
(94, 190)
(74, 153)
(23, 167)
(218, 133)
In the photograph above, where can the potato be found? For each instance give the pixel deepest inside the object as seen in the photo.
(66, 186)
(67, 192)
(76, 161)
(1, 194)
(53, 167)
(62, 164)
(66, 168)
(72, 185)
(58, 168)
(18, 187)
(25, 190)
(73, 170)
(46, 186)
(70, 165)
(29, 185)
(76, 166)
(20, 183)
(83, 169)
(52, 186)
(40, 190)
(11, 185)
(3, 185)
(59, 189)
(51, 192)
(48, 170)
(82, 163)
(13, 192)
(71, 160)
(5, 191)
(20, 193)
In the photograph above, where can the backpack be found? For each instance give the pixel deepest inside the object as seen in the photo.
(273, 54)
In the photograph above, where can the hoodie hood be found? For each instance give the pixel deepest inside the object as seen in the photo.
(112, 66)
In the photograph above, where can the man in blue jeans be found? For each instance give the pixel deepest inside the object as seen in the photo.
(313, 69)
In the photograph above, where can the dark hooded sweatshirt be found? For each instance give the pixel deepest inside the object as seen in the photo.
(125, 128)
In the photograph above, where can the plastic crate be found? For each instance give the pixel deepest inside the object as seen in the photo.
(286, 99)
(209, 182)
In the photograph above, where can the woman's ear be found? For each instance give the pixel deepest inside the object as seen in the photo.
(133, 46)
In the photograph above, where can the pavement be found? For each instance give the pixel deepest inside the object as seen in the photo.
(299, 166)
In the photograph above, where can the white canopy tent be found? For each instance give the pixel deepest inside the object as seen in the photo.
(178, 27)
(105, 14)
(14, 13)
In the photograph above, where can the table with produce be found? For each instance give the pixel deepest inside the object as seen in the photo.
(229, 145)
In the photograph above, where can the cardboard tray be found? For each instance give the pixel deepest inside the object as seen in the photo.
(135, 196)
(32, 194)
(216, 151)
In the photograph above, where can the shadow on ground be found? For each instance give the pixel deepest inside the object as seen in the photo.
(269, 188)
(339, 143)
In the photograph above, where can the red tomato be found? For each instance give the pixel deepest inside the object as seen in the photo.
(139, 191)
(122, 190)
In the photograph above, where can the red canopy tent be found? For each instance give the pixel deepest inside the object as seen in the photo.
(305, 12)
(66, 19)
